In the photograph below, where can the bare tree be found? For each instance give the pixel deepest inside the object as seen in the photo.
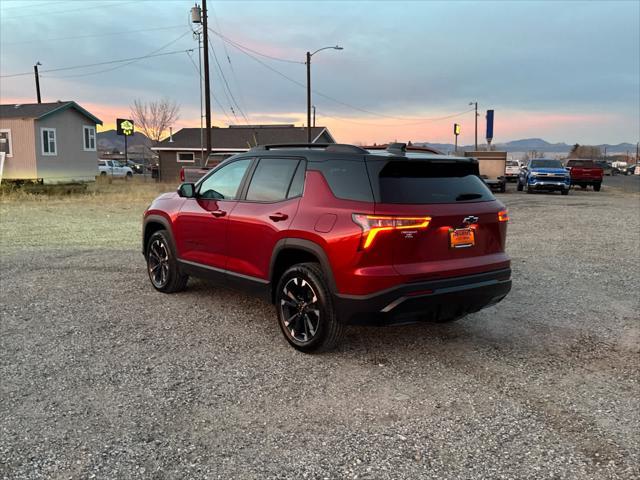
(585, 151)
(154, 118)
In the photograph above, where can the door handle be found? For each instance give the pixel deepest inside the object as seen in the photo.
(218, 213)
(276, 217)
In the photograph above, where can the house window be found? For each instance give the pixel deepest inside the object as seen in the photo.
(5, 142)
(49, 146)
(89, 138)
(185, 157)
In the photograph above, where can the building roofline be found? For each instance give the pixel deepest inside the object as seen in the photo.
(71, 104)
(197, 148)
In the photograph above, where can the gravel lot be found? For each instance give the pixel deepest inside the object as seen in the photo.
(102, 377)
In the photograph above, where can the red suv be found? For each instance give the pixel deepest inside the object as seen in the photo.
(335, 234)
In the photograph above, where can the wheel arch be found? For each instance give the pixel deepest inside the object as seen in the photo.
(291, 251)
(152, 224)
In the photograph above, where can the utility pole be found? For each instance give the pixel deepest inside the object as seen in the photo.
(207, 91)
(476, 119)
(308, 62)
(314, 115)
(35, 71)
(196, 18)
(637, 152)
(308, 97)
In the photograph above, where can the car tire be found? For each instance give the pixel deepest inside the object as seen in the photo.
(129, 176)
(596, 187)
(503, 188)
(519, 187)
(162, 264)
(305, 309)
(103, 174)
(564, 191)
(529, 189)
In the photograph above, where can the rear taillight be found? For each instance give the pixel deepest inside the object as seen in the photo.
(182, 174)
(373, 224)
(503, 216)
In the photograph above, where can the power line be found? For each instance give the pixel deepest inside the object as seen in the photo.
(97, 64)
(43, 4)
(226, 52)
(222, 109)
(157, 50)
(93, 35)
(77, 9)
(237, 45)
(420, 122)
(224, 78)
(340, 102)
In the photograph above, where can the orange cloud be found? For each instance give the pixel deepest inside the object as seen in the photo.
(510, 124)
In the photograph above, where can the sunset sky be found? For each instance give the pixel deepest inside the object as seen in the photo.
(562, 71)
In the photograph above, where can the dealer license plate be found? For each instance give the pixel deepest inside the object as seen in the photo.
(462, 238)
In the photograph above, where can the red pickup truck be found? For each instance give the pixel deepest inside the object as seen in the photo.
(585, 173)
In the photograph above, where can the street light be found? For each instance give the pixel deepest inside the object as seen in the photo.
(309, 55)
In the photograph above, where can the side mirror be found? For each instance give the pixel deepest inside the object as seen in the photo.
(187, 190)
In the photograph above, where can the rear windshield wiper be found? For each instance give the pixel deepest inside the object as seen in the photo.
(468, 196)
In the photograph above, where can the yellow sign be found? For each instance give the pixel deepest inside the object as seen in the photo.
(124, 127)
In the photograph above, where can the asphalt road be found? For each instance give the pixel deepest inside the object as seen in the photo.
(102, 377)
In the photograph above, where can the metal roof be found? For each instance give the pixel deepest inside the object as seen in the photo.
(42, 110)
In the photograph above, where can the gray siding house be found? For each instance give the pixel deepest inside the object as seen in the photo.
(48, 142)
(183, 148)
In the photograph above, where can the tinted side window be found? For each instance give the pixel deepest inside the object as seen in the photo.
(297, 184)
(347, 179)
(271, 179)
(223, 184)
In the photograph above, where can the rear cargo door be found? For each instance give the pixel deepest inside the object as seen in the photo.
(464, 235)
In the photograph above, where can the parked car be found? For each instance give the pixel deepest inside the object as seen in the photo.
(195, 173)
(633, 169)
(335, 234)
(607, 168)
(135, 167)
(585, 173)
(512, 170)
(544, 174)
(114, 168)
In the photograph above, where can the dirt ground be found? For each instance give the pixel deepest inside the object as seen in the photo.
(102, 377)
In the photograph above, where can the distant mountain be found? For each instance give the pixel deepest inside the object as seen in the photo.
(529, 145)
(109, 140)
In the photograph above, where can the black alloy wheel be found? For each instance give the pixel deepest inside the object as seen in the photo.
(305, 309)
(300, 311)
(158, 263)
(162, 266)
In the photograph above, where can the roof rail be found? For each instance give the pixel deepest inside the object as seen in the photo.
(328, 147)
(397, 148)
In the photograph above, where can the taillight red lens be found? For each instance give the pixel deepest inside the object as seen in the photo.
(373, 224)
(503, 216)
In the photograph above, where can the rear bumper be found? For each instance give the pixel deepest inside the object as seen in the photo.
(433, 300)
(585, 181)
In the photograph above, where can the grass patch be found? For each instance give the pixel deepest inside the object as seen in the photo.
(105, 215)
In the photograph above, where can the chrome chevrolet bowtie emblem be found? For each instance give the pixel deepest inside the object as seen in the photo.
(470, 220)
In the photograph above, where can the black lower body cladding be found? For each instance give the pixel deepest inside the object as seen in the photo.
(434, 300)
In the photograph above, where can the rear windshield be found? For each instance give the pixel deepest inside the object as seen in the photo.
(580, 163)
(545, 164)
(512, 163)
(423, 182)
